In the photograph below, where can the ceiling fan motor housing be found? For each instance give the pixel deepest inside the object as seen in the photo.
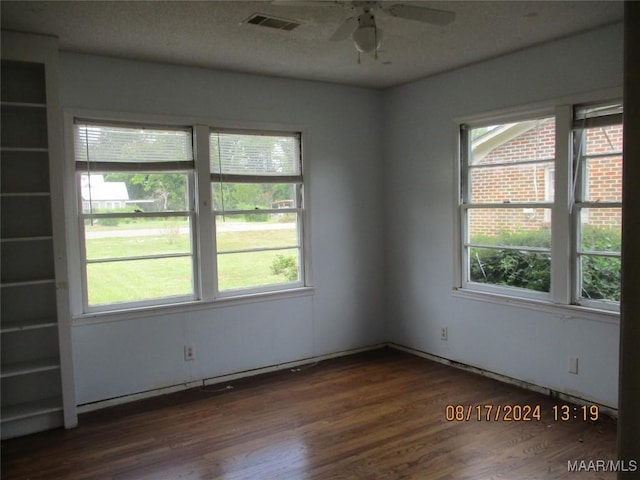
(367, 36)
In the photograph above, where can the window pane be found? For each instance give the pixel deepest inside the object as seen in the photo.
(525, 227)
(256, 269)
(136, 280)
(600, 278)
(603, 179)
(133, 192)
(600, 229)
(513, 142)
(130, 237)
(603, 140)
(256, 230)
(512, 183)
(511, 268)
(109, 143)
(247, 196)
(247, 154)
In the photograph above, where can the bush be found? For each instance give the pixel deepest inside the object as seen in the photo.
(516, 268)
(601, 278)
(286, 266)
(528, 238)
(601, 275)
(257, 217)
(110, 222)
(512, 268)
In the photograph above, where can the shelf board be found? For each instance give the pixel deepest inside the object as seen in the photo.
(23, 104)
(24, 149)
(8, 327)
(25, 368)
(27, 239)
(27, 283)
(31, 409)
(24, 194)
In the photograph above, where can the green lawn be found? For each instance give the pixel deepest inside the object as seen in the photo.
(134, 280)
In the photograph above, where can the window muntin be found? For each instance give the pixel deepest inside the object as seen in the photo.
(597, 140)
(257, 204)
(505, 211)
(135, 190)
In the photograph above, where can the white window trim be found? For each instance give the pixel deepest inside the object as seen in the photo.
(206, 287)
(563, 264)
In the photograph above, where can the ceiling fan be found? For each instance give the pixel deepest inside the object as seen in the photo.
(362, 28)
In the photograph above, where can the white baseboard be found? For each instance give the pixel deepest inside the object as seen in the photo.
(612, 412)
(89, 407)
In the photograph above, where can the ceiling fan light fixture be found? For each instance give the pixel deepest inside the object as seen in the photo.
(367, 38)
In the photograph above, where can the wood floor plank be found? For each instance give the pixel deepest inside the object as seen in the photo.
(378, 415)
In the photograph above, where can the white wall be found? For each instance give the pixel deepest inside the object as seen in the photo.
(343, 166)
(367, 151)
(419, 186)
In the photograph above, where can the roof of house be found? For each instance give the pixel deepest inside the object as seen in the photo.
(96, 189)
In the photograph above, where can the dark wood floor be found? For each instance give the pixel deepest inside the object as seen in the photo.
(378, 415)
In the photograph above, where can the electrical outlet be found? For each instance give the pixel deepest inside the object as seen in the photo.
(444, 334)
(189, 353)
(573, 365)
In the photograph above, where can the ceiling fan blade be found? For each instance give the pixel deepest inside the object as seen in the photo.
(344, 30)
(420, 14)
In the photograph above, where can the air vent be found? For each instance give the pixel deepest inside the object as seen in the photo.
(271, 22)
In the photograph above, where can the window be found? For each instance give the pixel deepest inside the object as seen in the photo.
(256, 183)
(507, 239)
(539, 223)
(135, 191)
(597, 140)
(144, 241)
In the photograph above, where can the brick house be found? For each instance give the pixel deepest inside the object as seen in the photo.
(514, 181)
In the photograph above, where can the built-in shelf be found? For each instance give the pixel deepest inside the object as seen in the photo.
(24, 149)
(25, 368)
(24, 194)
(31, 409)
(37, 378)
(27, 283)
(27, 239)
(23, 105)
(31, 324)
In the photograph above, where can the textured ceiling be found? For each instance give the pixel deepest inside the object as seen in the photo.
(211, 34)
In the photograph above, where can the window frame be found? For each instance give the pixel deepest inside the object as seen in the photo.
(203, 233)
(298, 209)
(464, 206)
(82, 168)
(563, 298)
(582, 203)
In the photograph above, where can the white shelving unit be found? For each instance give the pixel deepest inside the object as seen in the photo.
(36, 364)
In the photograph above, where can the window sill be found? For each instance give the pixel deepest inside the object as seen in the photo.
(155, 310)
(565, 311)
